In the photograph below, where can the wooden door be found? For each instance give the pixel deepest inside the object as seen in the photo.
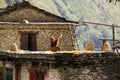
(28, 41)
(24, 41)
(32, 42)
(35, 75)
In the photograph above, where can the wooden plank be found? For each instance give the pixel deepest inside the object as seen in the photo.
(24, 41)
(108, 39)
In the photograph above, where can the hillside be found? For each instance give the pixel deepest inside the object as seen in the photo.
(3, 4)
(115, 3)
(99, 11)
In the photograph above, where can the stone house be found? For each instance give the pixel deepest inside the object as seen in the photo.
(65, 66)
(30, 28)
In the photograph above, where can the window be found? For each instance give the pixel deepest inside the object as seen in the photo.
(28, 41)
(9, 74)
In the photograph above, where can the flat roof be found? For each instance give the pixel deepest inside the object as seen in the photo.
(41, 23)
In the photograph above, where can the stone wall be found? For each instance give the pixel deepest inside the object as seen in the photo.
(30, 13)
(11, 34)
(96, 66)
(24, 70)
(53, 74)
(104, 66)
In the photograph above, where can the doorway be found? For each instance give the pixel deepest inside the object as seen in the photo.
(28, 41)
(35, 74)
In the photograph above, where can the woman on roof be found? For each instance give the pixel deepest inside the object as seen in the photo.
(55, 43)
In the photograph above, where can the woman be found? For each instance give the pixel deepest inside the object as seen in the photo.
(55, 43)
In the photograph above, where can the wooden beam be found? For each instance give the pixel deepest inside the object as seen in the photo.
(104, 39)
(17, 73)
(113, 34)
(4, 70)
(108, 39)
(113, 28)
(17, 70)
(104, 24)
(97, 23)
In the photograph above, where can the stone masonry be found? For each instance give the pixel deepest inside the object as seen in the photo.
(11, 34)
(67, 66)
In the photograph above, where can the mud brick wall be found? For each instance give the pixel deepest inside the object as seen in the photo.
(97, 66)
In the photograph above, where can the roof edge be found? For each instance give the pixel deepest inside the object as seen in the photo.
(26, 4)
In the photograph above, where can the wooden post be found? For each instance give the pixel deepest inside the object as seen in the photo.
(113, 32)
(103, 44)
(4, 70)
(17, 70)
